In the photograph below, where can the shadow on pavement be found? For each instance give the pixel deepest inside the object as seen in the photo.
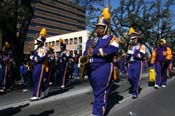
(12, 110)
(57, 91)
(114, 98)
(69, 85)
(45, 113)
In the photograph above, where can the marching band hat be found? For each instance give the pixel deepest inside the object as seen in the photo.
(104, 18)
(134, 35)
(42, 37)
(62, 44)
(61, 40)
(163, 40)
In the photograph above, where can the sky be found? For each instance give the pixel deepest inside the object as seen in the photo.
(114, 3)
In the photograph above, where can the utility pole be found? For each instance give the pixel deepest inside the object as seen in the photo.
(158, 28)
(109, 7)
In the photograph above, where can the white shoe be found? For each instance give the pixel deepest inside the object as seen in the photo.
(156, 86)
(2, 90)
(134, 96)
(163, 86)
(34, 98)
(25, 90)
(62, 86)
(50, 83)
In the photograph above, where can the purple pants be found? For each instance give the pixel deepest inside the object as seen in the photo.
(38, 76)
(134, 75)
(161, 73)
(100, 80)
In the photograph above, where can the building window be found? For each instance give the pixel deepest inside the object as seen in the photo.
(80, 39)
(75, 40)
(45, 44)
(66, 41)
(53, 43)
(57, 43)
(50, 44)
(71, 41)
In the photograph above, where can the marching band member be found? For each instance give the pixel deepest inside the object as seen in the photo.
(40, 71)
(136, 53)
(51, 58)
(64, 62)
(161, 58)
(101, 50)
(5, 63)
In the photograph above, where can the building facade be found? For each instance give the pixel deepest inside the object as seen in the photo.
(57, 16)
(74, 41)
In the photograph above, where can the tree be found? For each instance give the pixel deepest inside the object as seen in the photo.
(93, 10)
(152, 19)
(24, 16)
(15, 17)
(8, 20)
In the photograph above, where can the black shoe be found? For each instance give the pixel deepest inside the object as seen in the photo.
(139, 89)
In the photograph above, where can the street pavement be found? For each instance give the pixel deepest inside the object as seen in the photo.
(17, 97)
(73, 101)
(152, 102)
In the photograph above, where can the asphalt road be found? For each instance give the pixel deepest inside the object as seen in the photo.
(76, 101)
(153, 102)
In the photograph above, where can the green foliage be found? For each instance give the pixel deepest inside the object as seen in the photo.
(152, 19)
(15, 12)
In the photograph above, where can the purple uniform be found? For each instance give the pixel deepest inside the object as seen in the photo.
(40, 70)
(161, 57)
(135, 53)
(100, 70)
(63, 67)
(4, 72)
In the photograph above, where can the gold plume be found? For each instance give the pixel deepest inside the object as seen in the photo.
(106, 14)
(131, 30)
(61, 41)
(43, 32)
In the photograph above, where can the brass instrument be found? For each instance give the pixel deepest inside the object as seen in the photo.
(85, 59)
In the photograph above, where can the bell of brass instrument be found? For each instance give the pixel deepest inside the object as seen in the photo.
(84, 60)
(93, 42)
(83, 63)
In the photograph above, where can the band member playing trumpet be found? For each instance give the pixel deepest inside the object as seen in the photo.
(100, 51)
(40, 71)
